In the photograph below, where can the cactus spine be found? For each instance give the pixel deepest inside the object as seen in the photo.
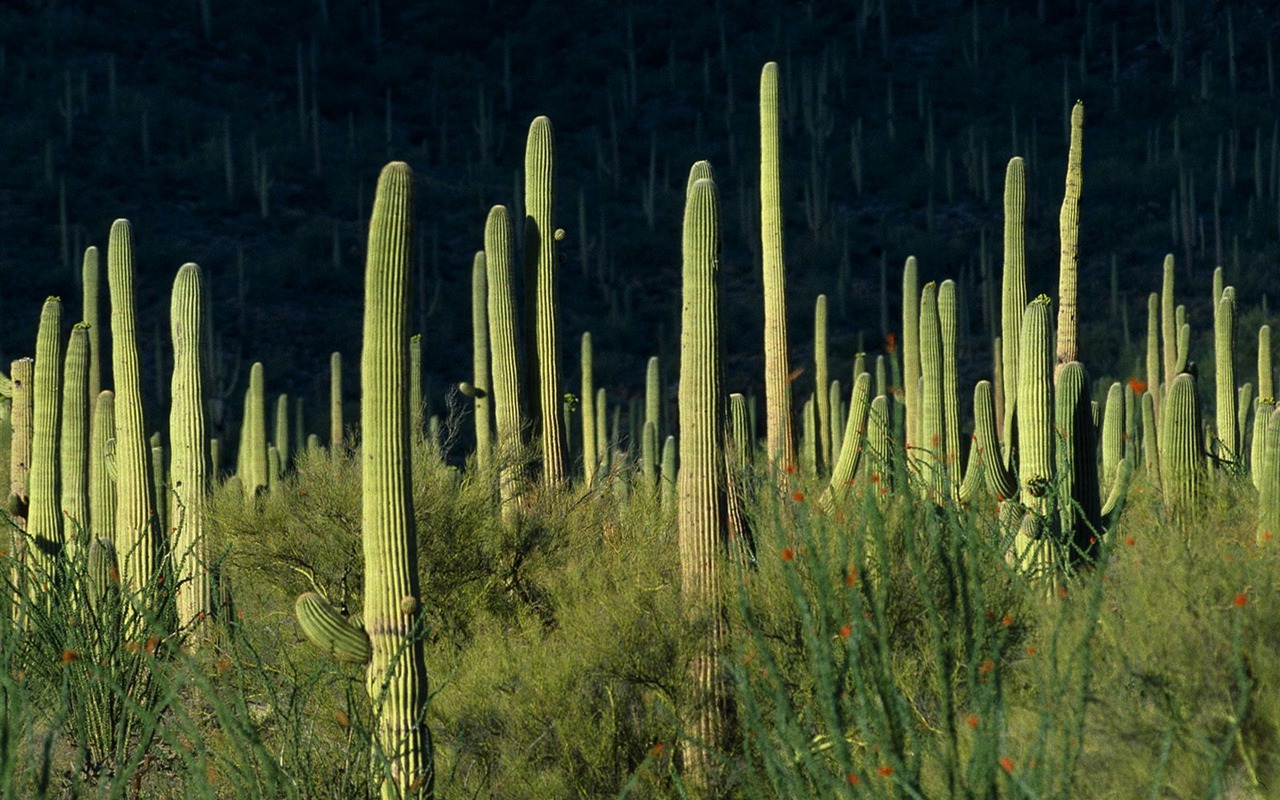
(779, 435)
(480, 361)
(541, 265)
(702, 513)
(1069, 258)
(188, 454)
(74, 455)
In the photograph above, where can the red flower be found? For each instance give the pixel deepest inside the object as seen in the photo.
(788, 554)
(1006, 764)
(798, 497)
(69, 655)
(846, 630)
(1137, 386)
(885, 770)
(1129, 541)
(1242, 600)
(853, 779)
(972, 721)
(1007, 621)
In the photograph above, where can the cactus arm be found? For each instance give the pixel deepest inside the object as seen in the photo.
(330, 631)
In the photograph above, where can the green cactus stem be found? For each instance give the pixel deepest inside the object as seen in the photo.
(779, 435)
(1013, 301)
(590, 448)
(331, 632)
(854, 440)
(336, 425)
(188, 450)
(44, 518)
(1069, 257)
(483, 405)
(90, 278)
(702, 522)
(822, 382)
(1182, 462)
(102, 485)
(137, 539)
(503, 343)
(1224, 343)
(74, 448)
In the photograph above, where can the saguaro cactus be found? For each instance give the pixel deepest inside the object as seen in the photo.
(505, 363)
(253, 455)
(822, 383)
(590, 453)
(702, 513)
(1069, 259)
(1013, 293)
(90, 275)
(136, 535)
(396, 677)
(335, 405)
(480, 361)
(540, 263)
(779, 433)
(188, 454)
(44, 519)
(1182, 463)
(74, 454)
(102, 481)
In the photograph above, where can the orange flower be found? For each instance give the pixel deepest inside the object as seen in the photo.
(986, 667)
(846, 630)
(1006, 764)
(69, 655)
(1137, 386)
(657, 750)
(1242, 599)
(890, 343)
(1062, 591)
(343, 719)
(791, 469)
(852, 779)
(798, 496)
(788, 554)
(1007, 621)
(851, 577)
(152, 643)
(1129, 541)
(885, 770)
(972, 721)
(1031, 649)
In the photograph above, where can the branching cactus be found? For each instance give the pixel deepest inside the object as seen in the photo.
(396, 677)
(702, 514)
(137, 540)
(779, 433)
(188, 454)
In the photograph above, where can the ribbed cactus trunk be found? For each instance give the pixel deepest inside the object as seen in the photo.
(335, 405)
(90, 279)
(397, 676)
(280, 435)
(188, 453)
(1069, 255)
(540, 263)
(1013, 301)
(1036, 438)
(1224, 340)
(503, 349)
(590, 451)
(1182, 463)
(822, 384)
(911, 356)
(702, 515)
(74, 455)
(480, 362)
(137, 540)
(253, 455)
(102, 479)
(779, 431)
(931, 456)
(44, 518)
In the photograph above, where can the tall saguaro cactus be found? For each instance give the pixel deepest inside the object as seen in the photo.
(74, 453)
(1069, 259)
(136, 536)
(188, 455)
(541, 266)
(702, 516)
(1014, 291)
(90, 275)
(480, 361)
(44, 518)
(779, 433)
(504, 356)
